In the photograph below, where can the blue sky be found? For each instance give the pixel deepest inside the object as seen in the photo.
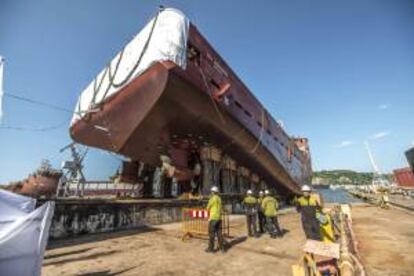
(338, 72)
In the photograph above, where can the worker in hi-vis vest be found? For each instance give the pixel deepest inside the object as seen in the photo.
(326, 228)
(250, 206)
(308, 205)
(214, 208)
(270, 207)
(261, 216)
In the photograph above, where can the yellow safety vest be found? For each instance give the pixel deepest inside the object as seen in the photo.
(250, 200)
(326, 228)
(310, 201)
(214, 207)
(270, 206)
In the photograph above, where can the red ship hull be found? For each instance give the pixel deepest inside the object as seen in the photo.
(206, 103)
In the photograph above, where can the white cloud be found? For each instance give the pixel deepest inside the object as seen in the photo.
(379, 135)
(383, 106)
(344, 144)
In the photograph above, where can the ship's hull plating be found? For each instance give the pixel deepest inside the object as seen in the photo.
(140, 120)
(205, 102)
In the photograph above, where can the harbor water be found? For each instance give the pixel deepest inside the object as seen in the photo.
(338, 195)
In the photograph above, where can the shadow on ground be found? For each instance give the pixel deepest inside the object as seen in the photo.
(91, 238)
(89, 257)
(106, 272)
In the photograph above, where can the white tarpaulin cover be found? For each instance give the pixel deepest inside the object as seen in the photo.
(13, 205)
(24, 232)
(163, 38)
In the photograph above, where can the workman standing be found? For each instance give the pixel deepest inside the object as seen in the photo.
(262, 218)
(270, 207)
(384, 200)
(214, 208)
(308, 205)
(250, 205)
(326, 228)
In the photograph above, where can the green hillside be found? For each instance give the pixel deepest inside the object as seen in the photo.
(344, 177)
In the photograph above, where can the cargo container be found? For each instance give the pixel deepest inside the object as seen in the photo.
(404, 177)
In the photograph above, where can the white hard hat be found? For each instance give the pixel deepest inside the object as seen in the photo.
(305, 188)
(267, 192)
(249, 192)
(214, 189)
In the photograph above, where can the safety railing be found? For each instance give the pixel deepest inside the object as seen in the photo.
(195, 223)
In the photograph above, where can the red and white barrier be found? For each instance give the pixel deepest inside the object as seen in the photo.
(201, 214)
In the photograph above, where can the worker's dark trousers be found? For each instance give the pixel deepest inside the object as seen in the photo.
(262, 222)
(251, 224)
(214, 229)
(272, 225)
(311, 227)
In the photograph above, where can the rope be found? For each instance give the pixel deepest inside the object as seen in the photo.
(259, 140)
(124, 81)
(131, 72)
(96, 89)
(211, 96)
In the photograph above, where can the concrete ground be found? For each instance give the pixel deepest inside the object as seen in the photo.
(385, 240)
(160, 251)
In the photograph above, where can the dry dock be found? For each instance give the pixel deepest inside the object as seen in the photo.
(386, 243)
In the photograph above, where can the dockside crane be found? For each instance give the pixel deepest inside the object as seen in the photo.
(378, 178)
(74, 172)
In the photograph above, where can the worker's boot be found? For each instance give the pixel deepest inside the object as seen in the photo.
(222, 247)
(209, 250)
(255, 233)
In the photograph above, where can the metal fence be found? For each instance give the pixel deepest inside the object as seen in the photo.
(195, 223)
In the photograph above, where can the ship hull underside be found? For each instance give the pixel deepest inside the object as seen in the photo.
(141, 120)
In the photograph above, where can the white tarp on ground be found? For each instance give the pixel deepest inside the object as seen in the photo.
(163, 38)
(13, 206)
(24, 233)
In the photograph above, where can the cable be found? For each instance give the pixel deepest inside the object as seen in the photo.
(36, 102)
(28, 100)
(44, 129)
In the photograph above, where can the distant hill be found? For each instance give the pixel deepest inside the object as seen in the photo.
(344, 177)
